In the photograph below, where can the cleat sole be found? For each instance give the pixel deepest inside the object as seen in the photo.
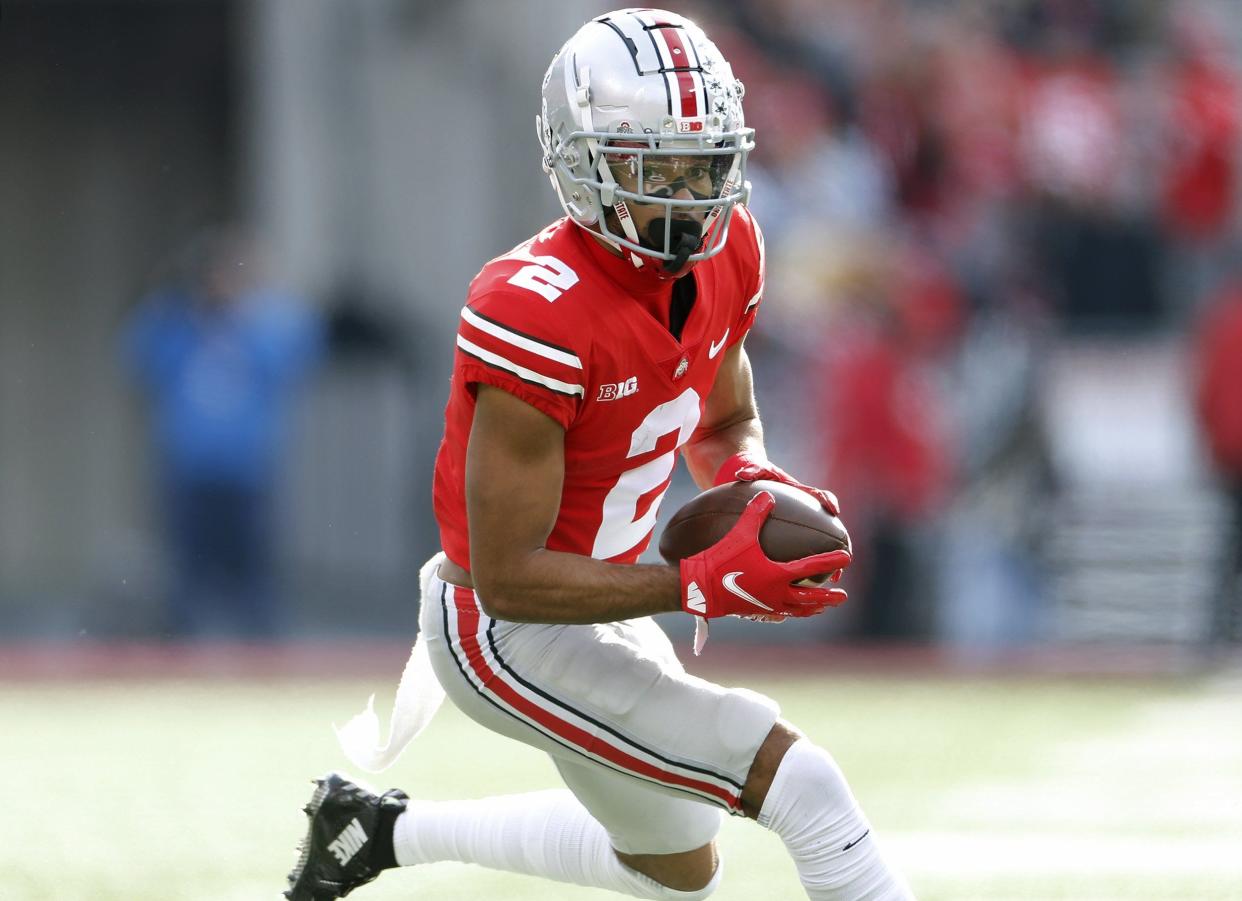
(303, 849)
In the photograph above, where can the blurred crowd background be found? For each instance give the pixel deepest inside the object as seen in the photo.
(1003, 319)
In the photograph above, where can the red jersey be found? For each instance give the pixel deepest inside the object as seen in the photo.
(583, 336)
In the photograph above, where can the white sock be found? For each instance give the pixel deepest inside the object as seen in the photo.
(547, 833)
(812, 809)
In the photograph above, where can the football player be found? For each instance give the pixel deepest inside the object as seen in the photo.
(588, 358)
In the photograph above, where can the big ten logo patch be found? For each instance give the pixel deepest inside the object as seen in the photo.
(614, 390)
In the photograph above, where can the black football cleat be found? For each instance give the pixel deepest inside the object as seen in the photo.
(336, 855)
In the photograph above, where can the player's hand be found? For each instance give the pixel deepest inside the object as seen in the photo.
(745, 468)
(735, 577)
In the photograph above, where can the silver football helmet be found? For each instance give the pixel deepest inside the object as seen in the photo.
(640, 107)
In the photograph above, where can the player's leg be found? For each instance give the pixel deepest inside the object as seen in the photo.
(689, 871)
(551, 834)
(597, 699)
(541, 686)
(796, 790)
(613, 707)
(354, 834)
(608, 830)
(648, 828)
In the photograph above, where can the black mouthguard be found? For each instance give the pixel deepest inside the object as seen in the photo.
(685, 236)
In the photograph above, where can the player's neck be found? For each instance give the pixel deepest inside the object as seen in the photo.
(606, 244)
(618, 265)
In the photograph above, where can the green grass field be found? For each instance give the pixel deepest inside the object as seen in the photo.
(164, 790)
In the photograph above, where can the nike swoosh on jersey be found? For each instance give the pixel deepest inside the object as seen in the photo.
(694, 598)
(730, 583)
(716, 345)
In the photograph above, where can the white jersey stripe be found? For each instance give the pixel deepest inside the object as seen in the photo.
(511, 337)
(521, 371)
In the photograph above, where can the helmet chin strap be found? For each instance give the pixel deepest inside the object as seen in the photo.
(608, 195)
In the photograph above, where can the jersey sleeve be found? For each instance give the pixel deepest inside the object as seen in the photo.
(511, 343)
(753, 278)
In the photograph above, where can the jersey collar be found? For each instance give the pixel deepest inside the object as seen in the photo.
(645, 282)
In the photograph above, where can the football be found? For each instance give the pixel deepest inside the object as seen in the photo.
(797, 526)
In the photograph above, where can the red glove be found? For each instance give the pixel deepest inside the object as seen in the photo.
(735, 576)
(746, 468)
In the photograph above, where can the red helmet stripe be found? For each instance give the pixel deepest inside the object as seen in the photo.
(681, 61)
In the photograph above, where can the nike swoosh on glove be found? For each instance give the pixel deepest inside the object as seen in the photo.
(746, 468)
(735, 577)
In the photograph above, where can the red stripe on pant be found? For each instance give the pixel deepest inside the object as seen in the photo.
(467, 631)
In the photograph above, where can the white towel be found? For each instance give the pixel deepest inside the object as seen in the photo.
(419, 696)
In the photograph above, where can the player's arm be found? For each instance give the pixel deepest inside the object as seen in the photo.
(515, 466)
(730, 423)
(728, 445)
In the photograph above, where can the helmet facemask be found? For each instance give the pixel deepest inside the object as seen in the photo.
(693, 185)
(695, 182)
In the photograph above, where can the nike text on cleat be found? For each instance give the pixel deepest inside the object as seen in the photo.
(336, 855)
(349, 842)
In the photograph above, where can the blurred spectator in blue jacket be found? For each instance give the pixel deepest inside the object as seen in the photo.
(220, 356)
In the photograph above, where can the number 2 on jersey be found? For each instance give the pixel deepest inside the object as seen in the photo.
(622, 528)
(546, 276)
